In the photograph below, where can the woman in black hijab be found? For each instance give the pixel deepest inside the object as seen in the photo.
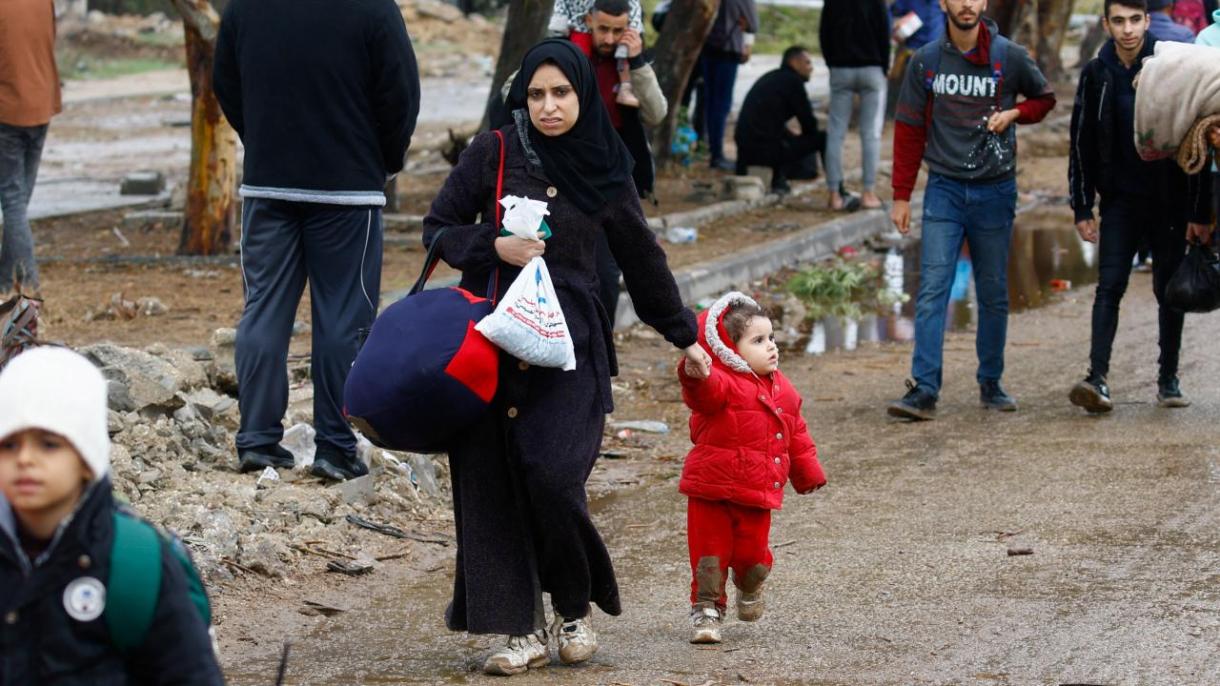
(519, 503)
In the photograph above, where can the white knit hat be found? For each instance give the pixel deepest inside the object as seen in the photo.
(57, 390)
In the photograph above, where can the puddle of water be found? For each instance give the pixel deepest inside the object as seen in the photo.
(1042, 260)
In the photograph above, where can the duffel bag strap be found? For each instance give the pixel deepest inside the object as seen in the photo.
(433, 258)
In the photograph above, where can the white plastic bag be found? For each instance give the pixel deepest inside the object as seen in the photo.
(528, 322)
(522, 216)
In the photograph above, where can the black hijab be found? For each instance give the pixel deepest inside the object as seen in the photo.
(589, 163)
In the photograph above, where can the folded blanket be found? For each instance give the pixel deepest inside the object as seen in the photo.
(1178, 86)
(1192, 154)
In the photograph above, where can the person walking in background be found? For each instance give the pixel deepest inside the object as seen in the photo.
(1210, 37)
(931, 21)
(29, 98)
(1193, 14)
(855, 38)
(956, 110)
(762, 133)
(1140, 201)
(320, 144)
(1163, 27)
(727, 46)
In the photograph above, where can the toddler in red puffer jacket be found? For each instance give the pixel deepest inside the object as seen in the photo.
(750, 439)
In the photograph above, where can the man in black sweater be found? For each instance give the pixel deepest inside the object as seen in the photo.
(325, 98)
(762, 134)
(1152, 201)
(855, 37)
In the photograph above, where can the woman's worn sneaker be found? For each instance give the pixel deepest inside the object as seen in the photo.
(1092, 394)
(1169, 393)
(576, 639)
(518, 654)
(750, 606)
(704, 625)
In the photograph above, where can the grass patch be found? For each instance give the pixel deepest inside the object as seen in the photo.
(779, 27)
(77, 65)
(782, 27)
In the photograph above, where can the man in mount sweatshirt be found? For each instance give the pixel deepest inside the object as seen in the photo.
(1140, 201)
(324, 96)
(956, 110)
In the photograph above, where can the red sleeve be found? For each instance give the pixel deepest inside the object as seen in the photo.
(708, 395)
(1034, 110)
(909, 142)
(806, 472)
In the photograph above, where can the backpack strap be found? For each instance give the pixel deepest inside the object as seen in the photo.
(135, 581)
(134, 586)
(928, 57)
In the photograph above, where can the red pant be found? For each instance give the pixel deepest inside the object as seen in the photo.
(724, 535)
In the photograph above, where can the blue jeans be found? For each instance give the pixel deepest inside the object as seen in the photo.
(719, 77)
(20, 152)
(980, 214)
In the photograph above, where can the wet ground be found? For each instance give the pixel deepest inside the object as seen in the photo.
(900, 571)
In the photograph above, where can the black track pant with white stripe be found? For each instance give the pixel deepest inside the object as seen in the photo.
(338, 250)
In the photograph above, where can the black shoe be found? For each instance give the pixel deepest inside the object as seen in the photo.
(779, 186)
(1169, 393)
(916, 405)
(851, 201)
(993, 397)
(1092, 394)
(260, 457)
(334, 464)
(723, 164)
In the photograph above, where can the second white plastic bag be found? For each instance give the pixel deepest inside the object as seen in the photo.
(528, 322)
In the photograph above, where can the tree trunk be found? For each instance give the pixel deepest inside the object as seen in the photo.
(526, 25)
(1040, 25)
(210, 209)
(677, 54)
(1053, 19)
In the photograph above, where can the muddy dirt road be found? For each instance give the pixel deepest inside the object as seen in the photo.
(898, 572)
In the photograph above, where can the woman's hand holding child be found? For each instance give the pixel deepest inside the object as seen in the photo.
(698, 362)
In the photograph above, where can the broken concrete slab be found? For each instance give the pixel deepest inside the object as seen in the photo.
(142, 183)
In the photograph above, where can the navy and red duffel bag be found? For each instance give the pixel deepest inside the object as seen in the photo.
(424, 374)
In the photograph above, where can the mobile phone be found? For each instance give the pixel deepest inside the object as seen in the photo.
(620, 52)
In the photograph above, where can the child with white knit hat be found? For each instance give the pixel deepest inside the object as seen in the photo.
(59, 561)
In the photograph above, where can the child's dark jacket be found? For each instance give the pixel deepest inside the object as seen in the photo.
(749, 435)
(41, 644)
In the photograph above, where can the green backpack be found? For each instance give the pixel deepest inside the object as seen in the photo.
(134, 585)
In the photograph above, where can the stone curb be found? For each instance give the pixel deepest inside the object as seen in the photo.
(713, 278)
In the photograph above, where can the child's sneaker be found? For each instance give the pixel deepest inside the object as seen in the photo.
(750, 606)
(704, 625)
(518, 654)
(576, 640)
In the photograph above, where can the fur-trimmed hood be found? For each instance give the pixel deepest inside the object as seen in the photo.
(715, 338)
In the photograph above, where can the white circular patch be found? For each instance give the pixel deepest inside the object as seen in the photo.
(85, 599)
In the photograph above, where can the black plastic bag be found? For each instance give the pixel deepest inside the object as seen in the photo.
(1195, 286)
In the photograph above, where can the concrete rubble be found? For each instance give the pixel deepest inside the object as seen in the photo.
(172, 429)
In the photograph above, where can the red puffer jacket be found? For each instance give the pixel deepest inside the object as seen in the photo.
(748, 431)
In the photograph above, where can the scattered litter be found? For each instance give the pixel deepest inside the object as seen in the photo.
(1060, 285)
(682, 234)
(358, 567)
(119, 235)
(313, 609)
(1013, 552)
(647, 426)
(386, 529)
(268, 476)
(785, 544)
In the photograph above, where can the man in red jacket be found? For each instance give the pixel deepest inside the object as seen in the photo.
(956, 110)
